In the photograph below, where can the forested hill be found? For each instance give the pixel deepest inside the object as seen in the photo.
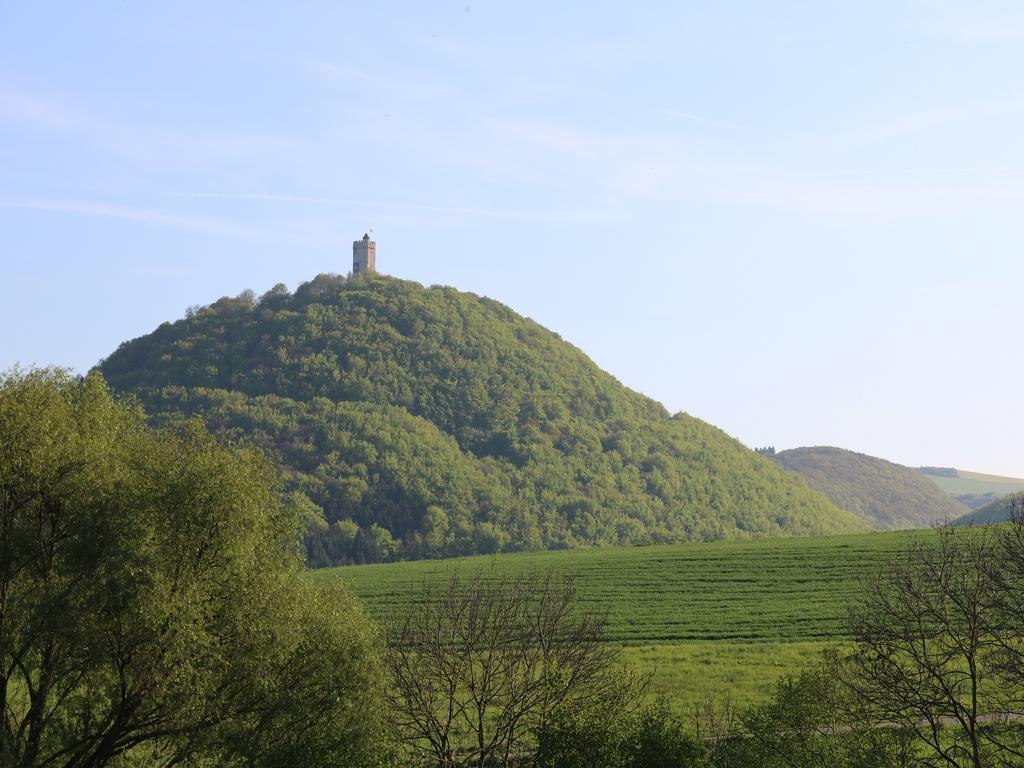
(883, 494)
(999, 511)
(415, 422)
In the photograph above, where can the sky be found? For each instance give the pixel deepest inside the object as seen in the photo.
(802, 222)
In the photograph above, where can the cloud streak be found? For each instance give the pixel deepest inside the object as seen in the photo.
(117, 134)
(707, 121)
(385, 207)
(138, 215)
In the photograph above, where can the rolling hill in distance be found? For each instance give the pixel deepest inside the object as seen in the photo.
(413, 422)
(883, 494)
(999, 511)
(973, 489)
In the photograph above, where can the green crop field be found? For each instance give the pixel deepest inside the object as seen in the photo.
(723, 616)
(976, 482)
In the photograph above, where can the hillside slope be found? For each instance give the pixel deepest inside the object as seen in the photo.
(428, 422)
(885, 495)
(998, 511)
(973, 489)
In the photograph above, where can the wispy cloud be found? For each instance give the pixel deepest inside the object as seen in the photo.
(963, 170)
(33, 111)
(711, 122)
(983, 22)
(384, 206)
(137, 214)
(604, 168)
(119, 133)
(662, 167)
(916, 123)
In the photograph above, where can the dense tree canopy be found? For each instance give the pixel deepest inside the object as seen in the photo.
(883, 494)
(152, 604)
(426, 422)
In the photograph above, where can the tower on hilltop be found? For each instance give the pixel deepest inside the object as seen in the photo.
(364, 255)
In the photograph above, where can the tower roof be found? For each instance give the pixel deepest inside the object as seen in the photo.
(366, 236)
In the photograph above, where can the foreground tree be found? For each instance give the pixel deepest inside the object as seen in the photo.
(151, 603)
(480, 668)
(1007, 630)
(814, 721)
(937, 646)
(618, 736)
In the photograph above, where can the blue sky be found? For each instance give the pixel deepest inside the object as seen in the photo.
(800, 221)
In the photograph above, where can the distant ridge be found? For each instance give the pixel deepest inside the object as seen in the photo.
(973, 489)
(998, 511)
(883, 494)
(413, 422)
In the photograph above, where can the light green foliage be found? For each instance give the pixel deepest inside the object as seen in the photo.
(937, 641)
(885, 495)
(381, 399)
(152, 603)
(727, 615)
(814, 721)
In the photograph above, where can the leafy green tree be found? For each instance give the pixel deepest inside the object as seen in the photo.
(618, 735)
(152, 607)
(936, 636)
(815, 721)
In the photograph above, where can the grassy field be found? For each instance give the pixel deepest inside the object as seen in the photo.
(976, 482)
(727, 616)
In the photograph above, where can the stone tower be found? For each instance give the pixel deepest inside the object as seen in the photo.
(364, 255)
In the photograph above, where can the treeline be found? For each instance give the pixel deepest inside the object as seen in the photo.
(155, 613)
(429, 422)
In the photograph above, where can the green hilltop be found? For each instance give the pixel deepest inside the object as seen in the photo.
(413, 422)
(883, 494)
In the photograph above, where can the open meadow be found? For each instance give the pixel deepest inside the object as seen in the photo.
(720, 616)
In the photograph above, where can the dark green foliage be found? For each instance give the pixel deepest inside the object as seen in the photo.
(614, 738)
(659, 740)
(998, 511)
(453, 425)
(364, 465)
(939, 471)
(885, 495)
